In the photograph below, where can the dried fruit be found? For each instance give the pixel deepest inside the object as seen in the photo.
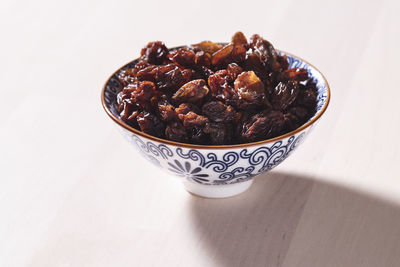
(219, 133)
(192, 91)
(185, 108)
(220, 85)
(166, 110)
(207, 47)
(210, 93)
(239, 39)
(150, 124)
(250, 91)
(233, 70)
(202, 59)
(154, 52)
(192, 119)
(175, 131)
(183, 56)
(263, 49)
(228, 54)
(294, 74)
(284, 94)
(262, 126)
(218, 112)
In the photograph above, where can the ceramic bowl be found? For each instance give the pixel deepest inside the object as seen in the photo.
(217, 171)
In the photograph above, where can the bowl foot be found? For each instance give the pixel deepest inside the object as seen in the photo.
(217, 191)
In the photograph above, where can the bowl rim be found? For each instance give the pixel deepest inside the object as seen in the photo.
(210, 147)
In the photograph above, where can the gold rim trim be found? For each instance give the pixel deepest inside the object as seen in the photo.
(177, 144)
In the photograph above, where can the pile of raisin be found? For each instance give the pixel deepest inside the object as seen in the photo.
(212, 93)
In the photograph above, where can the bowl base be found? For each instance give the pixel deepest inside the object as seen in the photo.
(217, 191)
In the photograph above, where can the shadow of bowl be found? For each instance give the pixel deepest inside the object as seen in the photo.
(294, 220)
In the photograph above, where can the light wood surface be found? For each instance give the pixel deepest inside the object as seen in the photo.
(74, 193)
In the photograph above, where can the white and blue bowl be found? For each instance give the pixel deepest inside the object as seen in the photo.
(217, 171)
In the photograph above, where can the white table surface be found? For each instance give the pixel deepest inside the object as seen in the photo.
(74, 193)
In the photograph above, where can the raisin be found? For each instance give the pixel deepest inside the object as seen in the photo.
(281, 63)
(234, 70)
(218, 112)
(300, 113)
(307, 98)
(291, 122)
(150, 124)
(203, 72)
(294, 74)
(228, 54)
(192, 91)
(192, 119)
(220, 85)
(175, 131)
(253, 62)
(154, 52)
(185, 108)
(250, 90)
(284, 94)
(264, 50)
(219, 133)
(202, 59)
(207, 47)
(239, 39)
(183, 56)
(166, 77)
(197, 135)
(125, 78)
(262, 126)
(166, 110)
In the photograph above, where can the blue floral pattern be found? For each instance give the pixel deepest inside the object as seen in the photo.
(216, 167)
(186, 171)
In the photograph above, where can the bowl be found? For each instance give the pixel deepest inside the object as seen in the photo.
(217, 171)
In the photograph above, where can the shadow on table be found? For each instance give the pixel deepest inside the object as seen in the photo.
(278, 222)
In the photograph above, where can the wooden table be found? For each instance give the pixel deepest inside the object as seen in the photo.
(74, 193)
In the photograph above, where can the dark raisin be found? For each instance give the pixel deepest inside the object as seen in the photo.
(284, 94)
(192, 119)
(182, 56)
(207, 47)
(154, 52)
(300, 113)
(219, 133)
(250, 91)
(202, 59)
(281, 63)
(294, 74)
(197, 135)
(218, 112)
(150, 124)
(291, 122)
(239, 39)
(220, 85)
(185, 108)
(307, 98)
(166, 77)
(234, 70)
(166, 110)
(262, 126)
(264, 50)
(228, 54)
(175, 131)
(192, 91)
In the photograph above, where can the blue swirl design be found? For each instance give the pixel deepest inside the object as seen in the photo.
(151, 148)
